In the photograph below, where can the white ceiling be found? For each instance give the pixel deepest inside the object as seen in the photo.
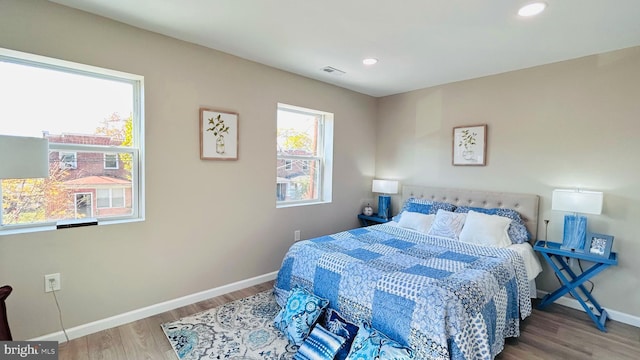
(420, 43)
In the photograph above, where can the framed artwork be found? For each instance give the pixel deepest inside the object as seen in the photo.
(598, 244)
(218, 135)
(470, 145)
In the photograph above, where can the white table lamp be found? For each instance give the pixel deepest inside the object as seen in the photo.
(577, 202)
(385, 188)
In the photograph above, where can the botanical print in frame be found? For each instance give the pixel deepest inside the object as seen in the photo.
(470, 145)
(218, 135)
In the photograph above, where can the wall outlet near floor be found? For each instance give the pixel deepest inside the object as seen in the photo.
(52, 282)
(296, 235)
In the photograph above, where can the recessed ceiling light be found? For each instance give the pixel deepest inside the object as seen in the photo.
(369, 61)
(532, 9)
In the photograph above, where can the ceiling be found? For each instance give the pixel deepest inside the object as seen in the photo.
(419, 43)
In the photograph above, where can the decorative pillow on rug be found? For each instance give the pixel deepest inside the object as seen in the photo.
(447, 224)
(299, 314)
(518, 232)
(416, 221)
(321, 344)
(486, 230)
(334, 322)
(372, 344)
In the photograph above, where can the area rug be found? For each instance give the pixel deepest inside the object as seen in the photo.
(242, 329)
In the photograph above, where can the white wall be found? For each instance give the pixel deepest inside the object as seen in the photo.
(565, 125)
(209, 223)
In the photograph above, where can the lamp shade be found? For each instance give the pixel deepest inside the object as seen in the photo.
(577, 201)
(385, 186)
(23, 157)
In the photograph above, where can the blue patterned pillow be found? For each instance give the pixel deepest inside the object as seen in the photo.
(299, 314)
(447, 224)
(319, 345)
(333, 322)
(517, 231)
(372, 344)
(423, 206)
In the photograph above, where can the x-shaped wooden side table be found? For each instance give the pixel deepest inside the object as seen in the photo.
(572, 283)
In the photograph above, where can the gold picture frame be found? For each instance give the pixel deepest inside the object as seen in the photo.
(218, 135)
(470, 145)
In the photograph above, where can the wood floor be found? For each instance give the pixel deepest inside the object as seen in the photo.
(556, 333)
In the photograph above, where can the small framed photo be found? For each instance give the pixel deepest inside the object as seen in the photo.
(470, 145)
(598, 244)
(218, 135)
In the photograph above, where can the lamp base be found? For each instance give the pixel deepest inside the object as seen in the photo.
(575, 233)
(384, 206)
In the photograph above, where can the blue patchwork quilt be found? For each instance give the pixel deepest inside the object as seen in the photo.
(444, 298)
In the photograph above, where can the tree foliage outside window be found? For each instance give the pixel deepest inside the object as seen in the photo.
(35, 200)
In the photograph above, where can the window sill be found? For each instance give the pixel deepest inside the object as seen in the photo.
(296, 204)
(53, 226)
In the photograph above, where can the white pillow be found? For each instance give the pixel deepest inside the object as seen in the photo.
(486, 230)
(447, 224)
(416, 221)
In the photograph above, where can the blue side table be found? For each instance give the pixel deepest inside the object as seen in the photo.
(371, 220)
(574, 283)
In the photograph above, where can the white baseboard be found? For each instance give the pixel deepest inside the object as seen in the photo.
(134, 315)
(613, 314)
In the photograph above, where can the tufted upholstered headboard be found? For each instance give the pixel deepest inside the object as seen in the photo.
(525, 204)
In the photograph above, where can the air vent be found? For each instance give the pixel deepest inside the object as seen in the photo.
(333, 71)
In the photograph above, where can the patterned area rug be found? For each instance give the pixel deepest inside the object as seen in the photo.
(242, 329)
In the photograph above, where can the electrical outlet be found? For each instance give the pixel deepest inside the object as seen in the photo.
(296, 235)
(52, 282)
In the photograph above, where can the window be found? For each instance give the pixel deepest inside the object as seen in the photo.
(92, 118)
(83, 205)
(67, 160)
(304, 156)
(111, 161)
(110, 198)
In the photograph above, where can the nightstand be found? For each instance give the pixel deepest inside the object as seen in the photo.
(371, 220)
(574, 283)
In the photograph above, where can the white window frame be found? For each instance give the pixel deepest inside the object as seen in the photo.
(136, 151)
(110, 197)
(66, 164)
(75, 202)
(105, 161)
(324, 156)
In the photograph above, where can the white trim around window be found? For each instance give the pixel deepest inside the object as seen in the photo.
(316, 175)
(111, 161)
(134, 150)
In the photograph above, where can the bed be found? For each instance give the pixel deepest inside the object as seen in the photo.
(441, 297)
